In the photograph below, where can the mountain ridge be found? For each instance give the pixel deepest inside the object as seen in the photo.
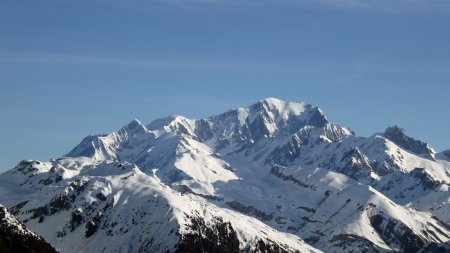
(275, 176)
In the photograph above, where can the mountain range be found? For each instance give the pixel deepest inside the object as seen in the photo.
(275, 176)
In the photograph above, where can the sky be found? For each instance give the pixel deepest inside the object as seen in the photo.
(69, 69)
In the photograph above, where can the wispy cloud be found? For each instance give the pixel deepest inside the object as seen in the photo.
(392, 6)
(305, 66)
(150, 62)
(386, 6)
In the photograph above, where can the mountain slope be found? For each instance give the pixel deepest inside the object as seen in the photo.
(118, 204)
(15, 237)
(271, 177)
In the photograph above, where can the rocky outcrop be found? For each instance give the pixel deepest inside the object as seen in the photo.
(219, 236)
(397, 135)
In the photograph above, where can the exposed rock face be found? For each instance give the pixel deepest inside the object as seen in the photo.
(436, 248)
(354, 164)
(397, 135)
(217, 237)
(317, 119)
(250, 210)
(16, 238)
(397, 234)
(444, 155)
(349, 241)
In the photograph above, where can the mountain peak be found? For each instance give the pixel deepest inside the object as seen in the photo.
(135, 121)
(135, 126)
(273, 100)
(161, 122)
(266, 118)
(444, 155)
(398, 135)
(317, 118)
(275, 104)
(395, 130)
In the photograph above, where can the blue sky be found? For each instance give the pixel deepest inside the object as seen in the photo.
(73, 68)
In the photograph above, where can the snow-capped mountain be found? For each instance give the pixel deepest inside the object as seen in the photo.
(272, 177)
